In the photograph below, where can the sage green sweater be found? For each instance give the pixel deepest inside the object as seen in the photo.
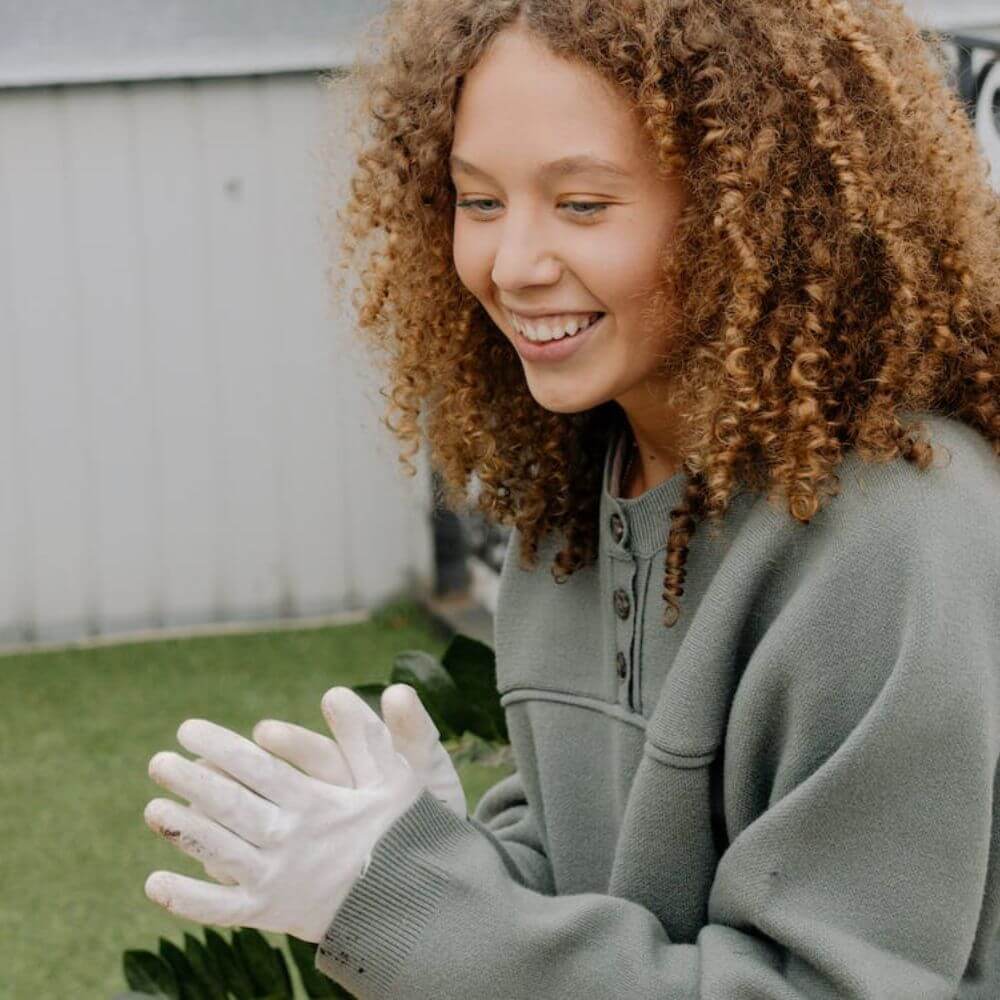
(787, 796)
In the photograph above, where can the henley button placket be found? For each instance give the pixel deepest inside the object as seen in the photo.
(623, 605)
(617, 528)
(623, 575)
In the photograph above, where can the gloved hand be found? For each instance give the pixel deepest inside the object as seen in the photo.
(293, 845)
(414, 735)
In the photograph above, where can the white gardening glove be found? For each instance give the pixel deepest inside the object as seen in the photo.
(414, 735)
(293, 845)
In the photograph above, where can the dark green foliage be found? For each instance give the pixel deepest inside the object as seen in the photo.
(288, 989)
(436, 689)
(235, 975)
(150, 974)
(313, 981)
(459, 691)
(265, 964)
(247, 969)
(206, 968)
(190, 988)
(371, 694)
(472, 665)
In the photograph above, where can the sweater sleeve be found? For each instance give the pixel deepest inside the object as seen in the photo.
(504, 817)
(509, 823)
(860, 877)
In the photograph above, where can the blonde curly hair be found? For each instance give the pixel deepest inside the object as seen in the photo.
(838, 261)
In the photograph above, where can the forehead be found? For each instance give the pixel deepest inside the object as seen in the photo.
(554, 107)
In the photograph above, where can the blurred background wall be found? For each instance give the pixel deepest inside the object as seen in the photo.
(189, 431)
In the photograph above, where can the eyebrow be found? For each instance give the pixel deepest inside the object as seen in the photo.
(562, 167)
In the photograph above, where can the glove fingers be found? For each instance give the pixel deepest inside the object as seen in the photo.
(222, 905)
(317, 755)
(413, 731)
(216, 795)
(253, 767)
(212, 870)
(361, 735)
(418, 739)
(189, 830)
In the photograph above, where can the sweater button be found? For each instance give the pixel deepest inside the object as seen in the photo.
(617, 527)
(622, 667)
(622, 603)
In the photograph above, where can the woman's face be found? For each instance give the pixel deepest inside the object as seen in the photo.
(527, 247)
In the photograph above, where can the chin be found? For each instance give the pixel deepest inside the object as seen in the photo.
(565, 403)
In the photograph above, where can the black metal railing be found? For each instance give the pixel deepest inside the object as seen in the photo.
(977, 74)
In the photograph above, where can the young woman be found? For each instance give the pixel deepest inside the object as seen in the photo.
(707, 297)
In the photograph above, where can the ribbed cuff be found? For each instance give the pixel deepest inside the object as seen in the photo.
(376, 927)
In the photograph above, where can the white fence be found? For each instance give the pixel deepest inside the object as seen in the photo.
(188, 432)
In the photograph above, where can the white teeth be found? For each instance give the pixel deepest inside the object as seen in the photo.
(555, 328)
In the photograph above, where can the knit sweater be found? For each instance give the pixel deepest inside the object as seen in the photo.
(789, 795)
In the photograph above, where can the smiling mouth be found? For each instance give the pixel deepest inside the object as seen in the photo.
(540, 332)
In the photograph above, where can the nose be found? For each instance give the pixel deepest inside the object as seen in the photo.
(523, 257)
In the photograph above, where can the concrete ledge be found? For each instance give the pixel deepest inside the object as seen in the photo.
(470, 613)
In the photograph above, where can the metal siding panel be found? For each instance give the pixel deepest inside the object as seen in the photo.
(232, 133)
(312, 475)
(194, 433)
(387, 514)
(382, 510)
(106, 239)
(56, 478)
(15, 577)
(173, 207)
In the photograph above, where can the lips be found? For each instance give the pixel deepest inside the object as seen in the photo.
(520, 323)
(556, 350)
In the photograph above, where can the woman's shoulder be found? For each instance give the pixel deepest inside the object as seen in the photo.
(960, 489)
(901, 559)
(892, 532)
(880, 503)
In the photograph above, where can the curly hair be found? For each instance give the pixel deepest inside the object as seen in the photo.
(837, 263)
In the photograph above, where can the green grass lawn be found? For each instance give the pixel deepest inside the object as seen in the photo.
(78, 730)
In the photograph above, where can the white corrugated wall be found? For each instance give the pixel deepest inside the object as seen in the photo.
(189, 432)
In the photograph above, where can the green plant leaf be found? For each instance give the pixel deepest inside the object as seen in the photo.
(206, 968)
(258, 956)
(371, 694)
(279, 957)
(437, 690)
(187, 979)
(148, 973)
(473, 667)
(235, 974)
(313, 981)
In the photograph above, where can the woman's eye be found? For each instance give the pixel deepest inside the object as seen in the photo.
(475, 203)
(591, 208)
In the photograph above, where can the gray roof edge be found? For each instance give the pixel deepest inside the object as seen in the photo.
(172, 67)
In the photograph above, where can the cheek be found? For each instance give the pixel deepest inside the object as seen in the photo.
(471, 260)
(632, 272)
(624, 264)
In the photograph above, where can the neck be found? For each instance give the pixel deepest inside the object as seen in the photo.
(655, 453)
